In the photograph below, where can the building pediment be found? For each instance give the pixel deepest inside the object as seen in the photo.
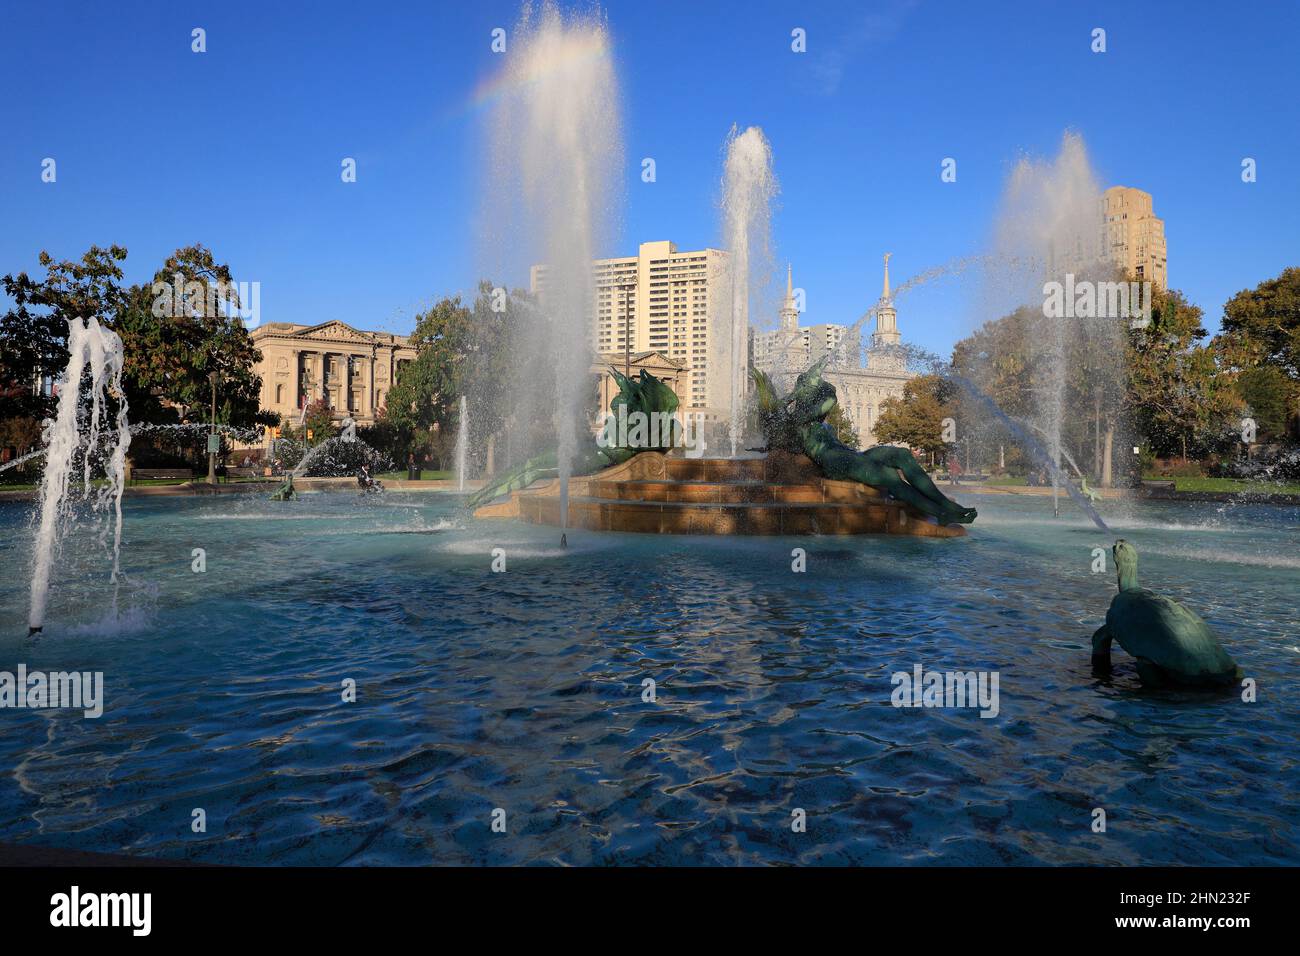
(336, 330)
(651, 359)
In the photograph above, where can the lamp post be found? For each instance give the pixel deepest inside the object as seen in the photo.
(212, 435)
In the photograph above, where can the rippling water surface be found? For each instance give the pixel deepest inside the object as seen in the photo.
(523, 691)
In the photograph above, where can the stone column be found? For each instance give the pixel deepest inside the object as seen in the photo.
(301, 368)
(345, 383)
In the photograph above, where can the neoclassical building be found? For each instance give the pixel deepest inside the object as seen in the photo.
(861, 390)
(352, 368)
(657, 363)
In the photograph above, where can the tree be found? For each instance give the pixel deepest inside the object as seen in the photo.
(175, 334)
(318, 420)
(492, 362)
(1175, 396)
(997, 361)
(34, 332)
(422, 402)
(842, 427)
(472, 352)
(1269, 397)
(1261, 328)
(916, 419)
(1262, 325)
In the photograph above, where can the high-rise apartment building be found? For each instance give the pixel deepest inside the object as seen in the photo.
(657, 301)
(1133, 239)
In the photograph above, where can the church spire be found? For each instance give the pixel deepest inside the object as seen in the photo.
(886, 336)
(789, 311)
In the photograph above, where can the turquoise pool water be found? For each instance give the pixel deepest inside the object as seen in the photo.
(523, 691)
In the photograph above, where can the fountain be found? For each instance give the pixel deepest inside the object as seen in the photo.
(93, 351)
(806, 484)
(555, 158)
(23, 459)
(357, 452)
(462, 445)
(1050, 222)
(748, 185)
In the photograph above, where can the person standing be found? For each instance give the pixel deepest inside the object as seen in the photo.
(411, 473)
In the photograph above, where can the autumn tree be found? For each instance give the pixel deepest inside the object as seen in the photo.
(916, 419)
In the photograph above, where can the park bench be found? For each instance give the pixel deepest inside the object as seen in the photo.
(239, 471)
(141, 474)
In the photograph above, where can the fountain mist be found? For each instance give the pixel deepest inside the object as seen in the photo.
(1050, 224)
(556, 148)
(96, 352)
(462, 445)
(748, 186)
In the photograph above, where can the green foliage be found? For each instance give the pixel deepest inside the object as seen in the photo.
(386, 437)
(1262, 325)
(422, 402)
(468, 351)
(169, 356)
(1261, 330)
(34, 332)
(318, 420)
(1175, 395)
(1269, 395)
(842, 427)
(916, 419)
(998, 360)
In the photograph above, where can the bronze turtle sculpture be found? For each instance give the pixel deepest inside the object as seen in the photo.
(1170, 643)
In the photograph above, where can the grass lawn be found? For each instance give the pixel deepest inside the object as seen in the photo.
(1231, 485)
(426, 475)
(1007, 480)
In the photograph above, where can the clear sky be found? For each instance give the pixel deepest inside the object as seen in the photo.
(240, 147)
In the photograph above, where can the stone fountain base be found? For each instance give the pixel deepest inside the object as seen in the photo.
(778, 494)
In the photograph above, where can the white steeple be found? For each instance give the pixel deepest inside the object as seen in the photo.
(885, 356)
(886, 318)
(789, 312)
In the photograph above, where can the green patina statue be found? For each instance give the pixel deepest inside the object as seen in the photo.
(797, 423)
(285, 492)
(1171, 644)
(626, 433)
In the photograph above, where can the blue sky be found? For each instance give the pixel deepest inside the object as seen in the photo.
(239, 147)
